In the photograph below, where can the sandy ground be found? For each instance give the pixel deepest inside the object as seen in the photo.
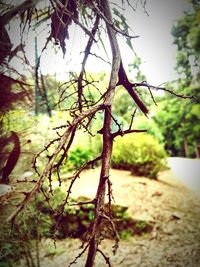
(167, 203)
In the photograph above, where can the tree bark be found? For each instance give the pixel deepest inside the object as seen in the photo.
(107, 138)
(185, 144)
(100, 195)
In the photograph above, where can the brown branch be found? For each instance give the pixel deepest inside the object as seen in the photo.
(107, 259)
(123, 80)
(110, 196)
(86, 54)
(116, 245)
(93, 54)
(79, 255)
(144, 84)
(73, 179)
(83, 203)
(84, 166)
(121, 133)
(152, 97)
(43, 150)
(107, 140)
(110, 23)
(49, 166)
(132, 118)
(64, 155)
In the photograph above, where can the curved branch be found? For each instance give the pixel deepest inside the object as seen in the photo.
(63, 140)
(110, 23)
(86, 54)
(145, 84)
(123, 80)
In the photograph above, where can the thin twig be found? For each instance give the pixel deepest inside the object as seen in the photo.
(79, 255)
(107, 259)
(119, 133)
(144, 84)
(132, 118)
(49, 165)
(116, 245)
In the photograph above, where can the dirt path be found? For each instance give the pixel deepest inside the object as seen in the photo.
(167, 203)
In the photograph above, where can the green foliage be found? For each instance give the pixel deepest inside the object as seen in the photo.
(123, 106)
(141, 154)
(126, 234)
(134, 68)
(178, 120)
(79, 156)
(186, 33)
(121, 23)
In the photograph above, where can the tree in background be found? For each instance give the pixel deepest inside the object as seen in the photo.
(180, 120)
(186, 33)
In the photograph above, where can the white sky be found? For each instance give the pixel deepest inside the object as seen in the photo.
(154, 45)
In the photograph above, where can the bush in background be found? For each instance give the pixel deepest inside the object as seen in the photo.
(141, 154)
(78, 157)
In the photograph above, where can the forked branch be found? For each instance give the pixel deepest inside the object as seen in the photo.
(63, 140)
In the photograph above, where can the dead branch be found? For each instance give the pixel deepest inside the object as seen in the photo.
(145, 84)
(107, 259)
(107, 140)
(63, 140)
(121, 133)
(123, 80)
(116, 245)
(107, 21)
(73, 179)
(79, 255)
(132, 118)
(86, 54)
(83, 203)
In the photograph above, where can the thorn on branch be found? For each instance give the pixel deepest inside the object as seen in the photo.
(79, 255)
(107, 259)
(123, 80)
(110, 220)
(145, 84)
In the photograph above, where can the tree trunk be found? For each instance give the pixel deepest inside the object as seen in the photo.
(100, 195)
(185, 143)
(107, 139)
(36, 93)
(45, 96)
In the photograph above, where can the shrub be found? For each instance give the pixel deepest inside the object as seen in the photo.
(141, 154)
(79, 156)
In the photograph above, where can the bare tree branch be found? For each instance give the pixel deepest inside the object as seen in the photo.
(123, 80)
(107, 140)
(110, 22)
(144, 84)
(107, 260)
(121, 133)
(50, 164)
(86, 54)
